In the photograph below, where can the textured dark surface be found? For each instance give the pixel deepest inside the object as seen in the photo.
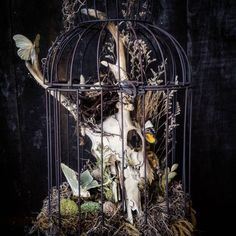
(206, 29)
(212, 51)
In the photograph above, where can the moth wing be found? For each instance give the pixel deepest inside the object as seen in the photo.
(25, 46)
(71, 177)
(24, 54)
(22, 41)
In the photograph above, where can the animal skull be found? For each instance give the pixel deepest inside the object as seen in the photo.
(116, 147)
(116, 129)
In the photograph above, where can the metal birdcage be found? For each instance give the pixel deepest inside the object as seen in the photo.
(118, 124)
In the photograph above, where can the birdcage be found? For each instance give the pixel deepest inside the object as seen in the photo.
(118, 108)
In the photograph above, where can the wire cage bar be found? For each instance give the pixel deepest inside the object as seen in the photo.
(75, 48)
(118, 106)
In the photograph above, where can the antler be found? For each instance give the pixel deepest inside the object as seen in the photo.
(32, 64)
(118, 69)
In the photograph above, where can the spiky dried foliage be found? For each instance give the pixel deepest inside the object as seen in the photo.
(148, 106)
(133, 9)
(69, 10)
(164, 215)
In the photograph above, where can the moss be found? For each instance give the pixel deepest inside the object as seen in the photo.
(68, 207)
(90, 207)
(108, 194)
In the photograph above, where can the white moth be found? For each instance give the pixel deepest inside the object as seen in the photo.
(25, 46)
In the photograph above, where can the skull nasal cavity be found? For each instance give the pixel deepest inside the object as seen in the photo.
(134, 140)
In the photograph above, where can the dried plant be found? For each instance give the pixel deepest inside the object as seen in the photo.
(69, 10)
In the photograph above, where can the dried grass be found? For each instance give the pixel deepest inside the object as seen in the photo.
(160, 219)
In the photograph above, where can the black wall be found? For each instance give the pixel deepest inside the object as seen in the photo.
(205, 28)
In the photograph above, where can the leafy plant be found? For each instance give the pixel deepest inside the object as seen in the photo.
(86, 181)
(168, 175)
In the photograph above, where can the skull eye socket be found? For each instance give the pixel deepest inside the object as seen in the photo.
(134, 140)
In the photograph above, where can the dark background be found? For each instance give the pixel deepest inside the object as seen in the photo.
(207, 31)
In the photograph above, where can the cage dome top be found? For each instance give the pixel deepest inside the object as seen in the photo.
(114, 9)
(113, 42)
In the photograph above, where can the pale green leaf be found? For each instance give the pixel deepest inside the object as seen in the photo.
(174, 167)
(85, 179)
(93, 184)
(171, 175)
(71, 177)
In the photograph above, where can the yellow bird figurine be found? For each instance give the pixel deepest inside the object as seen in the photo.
(150, 132)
